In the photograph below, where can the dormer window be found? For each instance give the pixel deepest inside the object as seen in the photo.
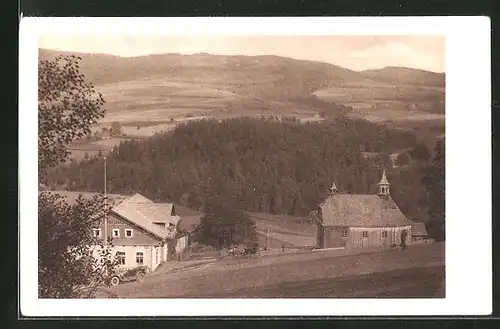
(97, 232)
(116, 233)
(128, 233)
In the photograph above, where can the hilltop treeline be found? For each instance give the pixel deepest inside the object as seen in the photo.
(260, 165)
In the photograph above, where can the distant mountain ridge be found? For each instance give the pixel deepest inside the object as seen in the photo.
(310, 75)
(407, 76)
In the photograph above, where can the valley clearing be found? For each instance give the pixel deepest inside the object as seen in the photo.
(416, 272)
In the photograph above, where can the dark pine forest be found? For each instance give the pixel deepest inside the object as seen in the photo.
(280, 167)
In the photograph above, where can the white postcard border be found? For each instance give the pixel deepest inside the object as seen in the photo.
(468, 165)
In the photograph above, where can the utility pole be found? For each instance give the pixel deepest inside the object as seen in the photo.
(105, 203)
(267, 239)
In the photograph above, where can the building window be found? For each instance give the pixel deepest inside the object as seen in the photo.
(116, 233)
(139, 257)
(384, 234)
(120, 255)
(345, 233)
(97, 232)
(128, 233)
(365, 234)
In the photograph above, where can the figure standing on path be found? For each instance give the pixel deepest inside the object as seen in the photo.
(404, 235)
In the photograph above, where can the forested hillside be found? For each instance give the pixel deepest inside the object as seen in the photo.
(261, 165)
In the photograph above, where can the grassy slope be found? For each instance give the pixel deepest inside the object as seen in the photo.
(407, 76)
(256, 83)
(314, 274)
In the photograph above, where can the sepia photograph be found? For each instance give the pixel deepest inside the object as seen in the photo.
(242, 166)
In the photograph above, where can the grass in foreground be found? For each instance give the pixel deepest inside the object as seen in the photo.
(423, 282)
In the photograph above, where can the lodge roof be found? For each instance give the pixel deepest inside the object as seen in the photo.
(71, 196)
(136, 209)
(158, 212)
(359, 210)
(144, 213)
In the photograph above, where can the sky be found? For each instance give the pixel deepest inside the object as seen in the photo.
(352, 52)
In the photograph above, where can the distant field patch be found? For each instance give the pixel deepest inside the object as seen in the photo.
(142, 124)
(361, 92)
(311, 119)
(359, 105)
(147, 131)
(424, 117)
(204, 92)
(107, 143)
(161, 114)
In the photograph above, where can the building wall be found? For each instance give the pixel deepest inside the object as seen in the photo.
(153, 256)
(155, 251)
(130, 255)
(334, 237)
(156, 257)
(181, 244)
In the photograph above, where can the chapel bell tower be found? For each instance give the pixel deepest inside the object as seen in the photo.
(384, 185)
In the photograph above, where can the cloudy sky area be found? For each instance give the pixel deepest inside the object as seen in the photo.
(352, 52)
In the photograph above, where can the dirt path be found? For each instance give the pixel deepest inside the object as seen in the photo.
(233, 277)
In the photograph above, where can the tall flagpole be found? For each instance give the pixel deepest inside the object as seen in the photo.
(105, 204)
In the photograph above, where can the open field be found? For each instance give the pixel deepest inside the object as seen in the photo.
(378, 102)
(150, 91)
(181, 86)
(284, 230)
(415, 272)
(92, 148)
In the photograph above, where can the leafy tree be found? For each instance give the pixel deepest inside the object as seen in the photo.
(115, 129)
(67, 107)
(66, 241)
(222, 227)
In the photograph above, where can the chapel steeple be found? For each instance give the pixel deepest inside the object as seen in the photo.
(384, 185)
